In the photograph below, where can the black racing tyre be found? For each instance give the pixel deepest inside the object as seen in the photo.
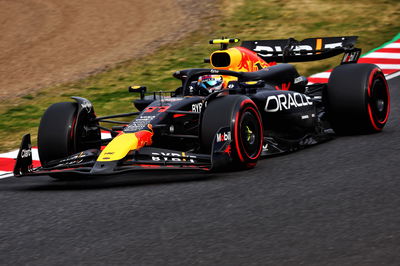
(240, 114)
(358, 99)
(62, 132)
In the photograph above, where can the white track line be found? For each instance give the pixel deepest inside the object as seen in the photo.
(321, 75)
(393, 45)
(388, 66)
(14, 154)
(383, 55)
(5, 174)
(393, 75)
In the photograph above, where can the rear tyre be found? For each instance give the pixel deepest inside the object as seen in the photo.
(64, 131)
(358, 99)
(242, 116)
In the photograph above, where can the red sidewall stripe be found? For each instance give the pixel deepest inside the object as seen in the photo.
(377, 72)
(371, 118)
(237, 121)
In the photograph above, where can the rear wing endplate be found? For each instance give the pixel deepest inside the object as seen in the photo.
(311, 49)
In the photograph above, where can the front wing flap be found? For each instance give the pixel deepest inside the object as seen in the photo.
(146, 158)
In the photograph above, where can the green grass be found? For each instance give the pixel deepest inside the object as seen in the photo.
(375, 21)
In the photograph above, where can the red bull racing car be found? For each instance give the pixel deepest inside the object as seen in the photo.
(246, 106)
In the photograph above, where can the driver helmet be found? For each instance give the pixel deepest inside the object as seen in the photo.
(211, 83)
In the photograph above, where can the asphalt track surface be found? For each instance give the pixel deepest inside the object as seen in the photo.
(337, 203)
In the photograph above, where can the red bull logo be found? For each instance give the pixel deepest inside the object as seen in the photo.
(240, 59)
(145, 137)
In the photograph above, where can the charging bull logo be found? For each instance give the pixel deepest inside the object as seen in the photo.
(284, 87)
(145, 136)
(250, 61)
(239, 59)
(122, 144)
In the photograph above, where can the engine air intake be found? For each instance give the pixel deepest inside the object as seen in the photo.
(220, 59)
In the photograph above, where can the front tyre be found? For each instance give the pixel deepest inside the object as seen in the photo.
(242, 116)
(63, 131)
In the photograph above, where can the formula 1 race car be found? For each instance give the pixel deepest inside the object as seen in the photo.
(230, 115)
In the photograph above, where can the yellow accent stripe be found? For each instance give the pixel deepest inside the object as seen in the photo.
(218, 41)
(119, 147)
(319, 44)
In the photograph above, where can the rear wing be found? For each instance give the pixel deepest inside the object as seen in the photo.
(311, 49)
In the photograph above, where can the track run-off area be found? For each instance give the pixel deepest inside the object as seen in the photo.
(336, 203)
